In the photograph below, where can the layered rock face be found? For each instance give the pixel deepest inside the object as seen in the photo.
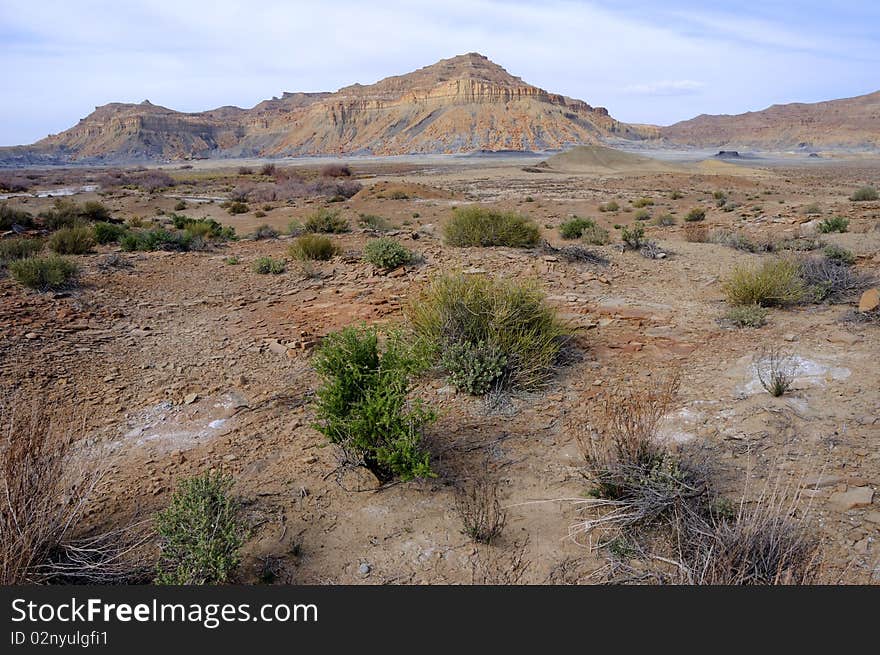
(850, 123)
(460, 104)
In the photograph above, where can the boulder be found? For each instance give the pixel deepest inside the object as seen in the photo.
(870, 300)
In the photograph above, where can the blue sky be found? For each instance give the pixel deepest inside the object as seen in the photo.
(647, 62)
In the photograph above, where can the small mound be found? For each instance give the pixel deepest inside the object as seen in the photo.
(600, 159)
(403, 191)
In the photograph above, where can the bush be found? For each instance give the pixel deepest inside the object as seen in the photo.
(386, 253)
(834, 224)
(475, 368)
(695, 215)
(10, 216)
(864, 193)
(267, 169)
(206, 228)
(696, 233)
(327, 221)
(642, 202)
(397, 194)
(478, 226)
(108, 232)
(633, 237)
(775, 371)
(72, 241)
(362, 405)
(152, 181)
(666, 220)
(574, 228)
(335, 170)
(94, 211)
(479, 508)
(156, 239)
(13, 249)
(373, 222)
(264, 232)
(44, 273)
(180, 206)
(199, 533)
(752, 316)
(266, 265)
(237, 207)
(774, 283)
(812, 209)
(612, 206)
(839, 255)
(828, 279)
(507, 317)
(642, 215)
(64, 213)
(595, 236)
(245, 170)
(312, 247)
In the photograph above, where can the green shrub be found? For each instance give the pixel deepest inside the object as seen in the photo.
(10, 216)
(108, 232)
(695, 215)
(237, 208)
(64, 213)
(266, 265)
(834, 224)
(13, 249)
(633, 237)
(180, 206)
(295, 228)
(812, 209)
(612, 206)
(642, 202)
(386, 253)
(232, 260)
(676, 195)
(362, 405)
(206, 228)
(327, 221)
(595, 236)
(93, 210)
(398, 195)
(199, 532)
(508, 317)
(156, 239)
(574, 228)
(44, 273)
(477, 226)
(264, 232)
(666, 220)
(71, 241)
(312, 247)
(474, 367)
(753, 316)
(642, 215)
(864, 193)
(839, 255)
(776, 282)
(377, 223)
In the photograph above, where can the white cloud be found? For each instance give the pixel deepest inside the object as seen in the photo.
(665, 88)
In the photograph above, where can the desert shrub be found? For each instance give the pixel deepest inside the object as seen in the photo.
(775, 282)
(373, 222)
(508, 317)
(312, 247)
(666, 220)
(13, 183)
(237, 207)
(633, 237)
(327, 221)
(362, 404)
(812, 209)
(108, 232)
(475, 368)
(266, 265)
(71, 241)
(335, 170)
(775, 370)
(799, 244)
(387, 253)
(829, 279)
(259, 214)
(156, 239)
(477, 226)
(152, 181)
(642, 202)
(232, 260)
(10, 216)
(676, 195)
(642, 215)
(739, 241)
(245, 170)
(64, 213)
(834, 224)
(595, 235)
(694, 233)
(244, 192)
(611, 206)
(295, 228)
(695, 215)
(479, 507)
(752, 316)
(264, 232)
(864, 193)
(268, 169)
(397, 194)
(13, 249)
(200, 535)
(180, 206)
(839, 255)
(574, 228)
(206, 228)
(94, 211)
(44, 273)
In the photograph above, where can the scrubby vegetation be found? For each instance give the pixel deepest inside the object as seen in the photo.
(373, 222)
(695, 215)
(108, 232)
(751, 316)
(363, 404)
(44, 273)
(776, 282)
(574, 228)
(478, 226)
(839, 255)
(10, 216)
(387, 253)
(633, 237)
(312, 247)
(327, 221)
(200, 533)
(267, 265)
(205, 228)
(834, 224)
(156, 239)
(13, 249)
(72, 241)
(264, 232)
(595, 236)
(611, 206)
(864, 193)
(494, 321)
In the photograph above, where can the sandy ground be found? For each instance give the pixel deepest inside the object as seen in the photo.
(181, 362)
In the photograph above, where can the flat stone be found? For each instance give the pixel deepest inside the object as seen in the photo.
(853, 497)
(819, 481)
(843, 337)
(190, 398)
(869, 300)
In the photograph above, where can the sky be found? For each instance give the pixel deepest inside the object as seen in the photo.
(647, 62)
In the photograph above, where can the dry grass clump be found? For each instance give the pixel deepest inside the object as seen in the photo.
(336, 170)
(745, 316)
(695, 233)
(496, 318)
(326, 221)
(775, 283)
(44, 273)
(479, 507)
(775, 370)
(865, 193)
(14, 249)
(313, 247)
(72, 241)
(477, 226)
(830, 277)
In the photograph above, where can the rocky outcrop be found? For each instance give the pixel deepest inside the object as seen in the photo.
(460, 104)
